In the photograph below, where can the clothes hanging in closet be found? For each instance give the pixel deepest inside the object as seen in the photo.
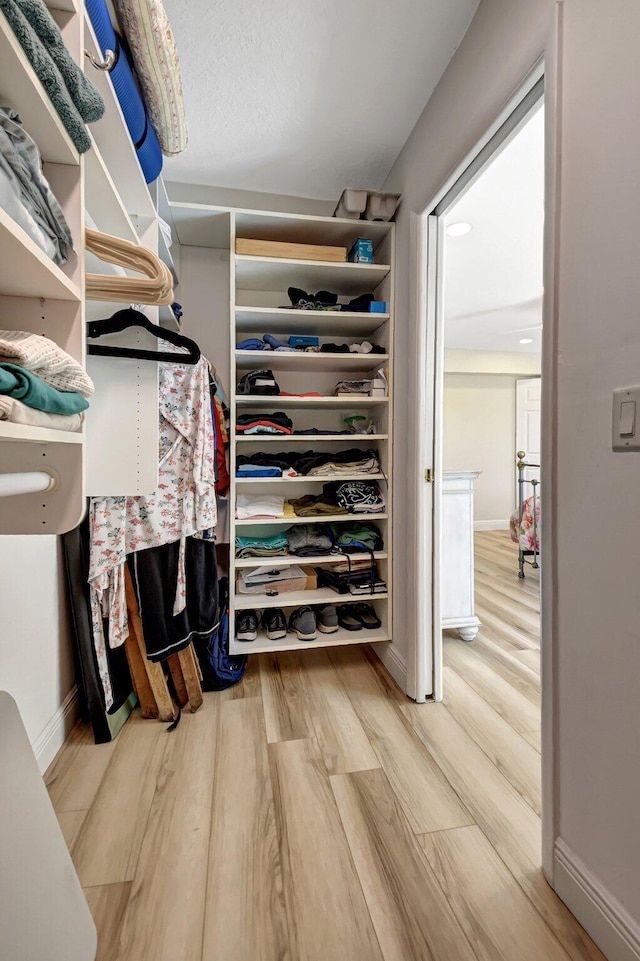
(183, 504)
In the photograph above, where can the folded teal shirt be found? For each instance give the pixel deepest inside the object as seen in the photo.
(23, 385)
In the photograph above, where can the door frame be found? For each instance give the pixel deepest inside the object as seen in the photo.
(426, 251)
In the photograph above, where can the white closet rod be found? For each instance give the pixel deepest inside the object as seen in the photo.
(34, 482)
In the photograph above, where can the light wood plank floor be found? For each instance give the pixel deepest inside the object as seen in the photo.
(313, 813)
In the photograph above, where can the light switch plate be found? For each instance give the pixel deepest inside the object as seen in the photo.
(626, 419)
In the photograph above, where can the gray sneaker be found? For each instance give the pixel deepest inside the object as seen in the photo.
(303, 623)
(327, 618)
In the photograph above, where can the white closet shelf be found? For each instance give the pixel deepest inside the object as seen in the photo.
(262, 644)
(278, 401)
(306, 229)
(283, 320)
(286, 360)
(113, 140)
(103, 201)
(25, 269)
(322, 595)
(164, 253)
(200, 225)
(279, 273)
(314, 519)
(311, 439)
(306, 479)
(37, 435)
(284, 560)
(20, 88)
(168, 319)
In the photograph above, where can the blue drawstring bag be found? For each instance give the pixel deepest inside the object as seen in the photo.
(219, 668)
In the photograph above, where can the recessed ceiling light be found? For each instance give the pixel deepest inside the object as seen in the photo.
(527, 340)
(459, 229)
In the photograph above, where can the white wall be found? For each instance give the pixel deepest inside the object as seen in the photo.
(491, 362)
(596, 633)
(479, 434)
(204, 295)
(36, 654)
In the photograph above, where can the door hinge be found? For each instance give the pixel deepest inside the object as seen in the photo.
(428, 475)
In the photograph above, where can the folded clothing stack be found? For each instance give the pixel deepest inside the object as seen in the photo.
(25, 194)
(308, 463)
(74, 97)
(300, 344)
(349, 497)
(306, 540)
(327, 300)
(274, 423)
(40, 384)
(273, 546)
(260, 505)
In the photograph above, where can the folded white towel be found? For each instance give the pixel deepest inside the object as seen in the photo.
(18, 413)
(45, 359)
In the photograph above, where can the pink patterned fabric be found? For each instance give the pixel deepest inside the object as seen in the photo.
(183, 504)
(155, 57)
(523, 534)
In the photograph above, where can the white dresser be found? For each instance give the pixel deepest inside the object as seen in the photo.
(456, 576)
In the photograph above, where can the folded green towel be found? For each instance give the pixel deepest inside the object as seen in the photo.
(48, 74)
(85, 96)
(23, 385)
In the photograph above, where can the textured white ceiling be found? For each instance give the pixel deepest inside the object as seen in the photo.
(493, 275)
(305, 97)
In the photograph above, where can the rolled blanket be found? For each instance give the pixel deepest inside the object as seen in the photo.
(48, 74)
(155, 57)
(23, 385)
(45, 359)
(18, 413)
(85, 96)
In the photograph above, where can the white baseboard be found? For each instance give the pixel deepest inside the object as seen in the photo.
(393, 661)
(51, 739)
(615, 932)
(491, 525)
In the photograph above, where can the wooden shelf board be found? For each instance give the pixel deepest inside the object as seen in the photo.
(284, 560)
(305, 479)
(25, 269)
(276, 273)
(322, 595)
(282, 320)
(312, 439)
(37, 435)
(114, 142)
(305, 229)
(278, 401)
(320, 519)
(20, 88)
(286, 360)
(262, 644)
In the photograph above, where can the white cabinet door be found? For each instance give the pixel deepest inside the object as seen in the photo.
(528, 403)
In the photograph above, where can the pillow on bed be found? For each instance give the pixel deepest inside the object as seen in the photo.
(155, 57)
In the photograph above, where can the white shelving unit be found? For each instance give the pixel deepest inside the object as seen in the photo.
(39, 296)
(258, 298)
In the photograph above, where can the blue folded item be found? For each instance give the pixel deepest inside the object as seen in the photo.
(251, 343)
(142, 134)
(274, 343)
(251, 470)
(300, 341)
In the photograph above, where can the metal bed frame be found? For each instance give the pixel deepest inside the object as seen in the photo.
(535, 484)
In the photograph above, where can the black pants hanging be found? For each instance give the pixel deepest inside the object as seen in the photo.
(155, 576)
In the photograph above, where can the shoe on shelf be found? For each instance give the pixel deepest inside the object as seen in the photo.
(246, 625)
(366, 615)
(303, 623)
(327, 618)
(347, 620)
(274, 623)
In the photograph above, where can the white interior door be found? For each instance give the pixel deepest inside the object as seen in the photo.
(528, 407)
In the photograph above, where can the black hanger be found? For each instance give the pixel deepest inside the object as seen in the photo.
(128, 317)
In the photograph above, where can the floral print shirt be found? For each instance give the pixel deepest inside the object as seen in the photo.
(183, 504)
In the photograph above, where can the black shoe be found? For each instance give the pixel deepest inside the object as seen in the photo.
(366, 615)
(274, 623)
(347, 620)
(303, 623)
(246, 626)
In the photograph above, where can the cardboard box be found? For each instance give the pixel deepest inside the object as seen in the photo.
(278, 248)
(312, 577)
(361, 252)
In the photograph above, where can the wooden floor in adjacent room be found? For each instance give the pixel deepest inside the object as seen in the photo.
(314, 813)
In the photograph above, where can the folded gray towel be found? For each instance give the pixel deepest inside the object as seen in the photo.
(84, 94)
(48, 74)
